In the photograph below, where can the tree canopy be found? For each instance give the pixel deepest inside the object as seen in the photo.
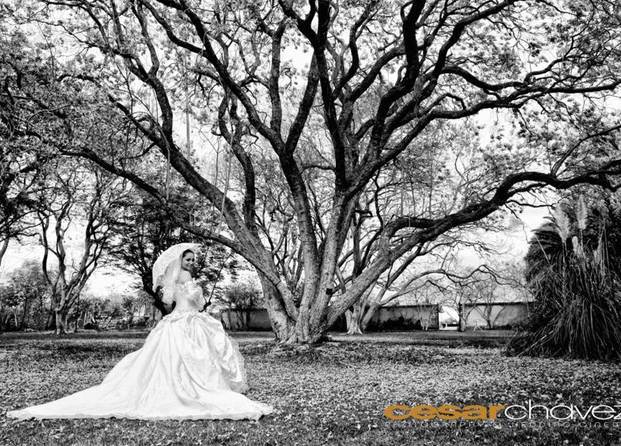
(354, 113)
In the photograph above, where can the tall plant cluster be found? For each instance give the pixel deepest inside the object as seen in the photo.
(574, 273)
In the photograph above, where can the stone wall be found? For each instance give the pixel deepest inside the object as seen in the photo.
(410, 317)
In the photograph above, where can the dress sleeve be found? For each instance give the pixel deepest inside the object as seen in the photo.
(168, 294)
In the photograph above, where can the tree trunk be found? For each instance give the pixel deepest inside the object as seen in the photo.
(282, 325)
(311, 325)
(22, 320)
(27, 304)
(49, 324)
(246, 318)
(7, 319)
(61, 322)
(77, 322)
(368, 315)
(3, 247)
(354, 319)
(151, 316)
(462, 319)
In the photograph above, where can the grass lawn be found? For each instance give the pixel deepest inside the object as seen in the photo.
(333, 395)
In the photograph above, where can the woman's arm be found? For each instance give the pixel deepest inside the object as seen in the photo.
(168, 304)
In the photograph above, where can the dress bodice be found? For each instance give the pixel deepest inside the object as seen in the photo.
(188, 296)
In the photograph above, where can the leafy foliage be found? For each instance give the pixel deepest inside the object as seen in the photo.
(242, 296)
(24, 161)
(25, 299)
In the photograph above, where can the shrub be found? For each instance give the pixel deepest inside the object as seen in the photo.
(577, 305)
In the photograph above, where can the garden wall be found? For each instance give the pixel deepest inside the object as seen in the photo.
(410, 317)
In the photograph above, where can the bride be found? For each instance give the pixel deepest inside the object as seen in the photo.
(188, 367)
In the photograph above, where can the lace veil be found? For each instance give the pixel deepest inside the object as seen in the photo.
(167, 267)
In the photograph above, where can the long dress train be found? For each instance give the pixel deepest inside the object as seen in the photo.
(188, 368)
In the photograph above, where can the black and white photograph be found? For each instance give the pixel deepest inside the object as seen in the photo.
(310, 222)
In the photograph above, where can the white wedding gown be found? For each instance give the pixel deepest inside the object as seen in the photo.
(188, 368)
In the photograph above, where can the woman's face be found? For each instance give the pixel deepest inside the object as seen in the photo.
(187, 262)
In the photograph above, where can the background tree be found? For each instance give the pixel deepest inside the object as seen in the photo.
(243, 297)
(130, 305)
(26, 298)
(88, 199)
(82, 314)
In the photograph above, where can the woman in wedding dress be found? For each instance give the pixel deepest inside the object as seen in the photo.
(188, 367)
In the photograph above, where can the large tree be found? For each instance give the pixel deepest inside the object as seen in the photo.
(23, 162)
(381, 78)
(85, 201)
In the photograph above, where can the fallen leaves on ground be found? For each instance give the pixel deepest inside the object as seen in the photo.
(333, 394)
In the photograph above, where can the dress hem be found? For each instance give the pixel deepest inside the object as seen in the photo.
(249, 416)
